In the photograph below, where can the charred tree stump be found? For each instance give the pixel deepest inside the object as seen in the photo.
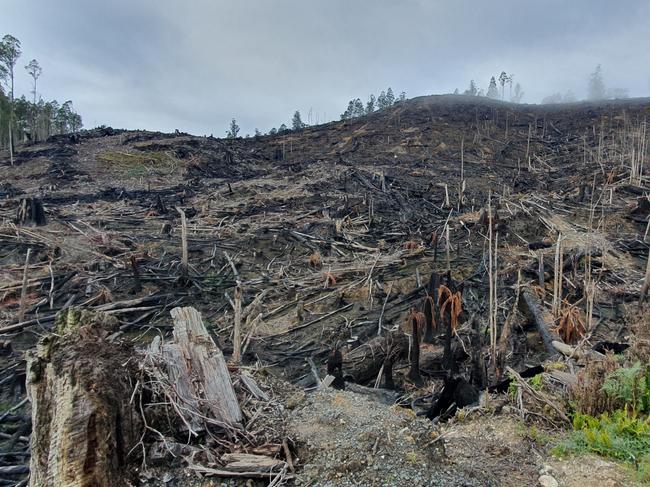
(456, 393)
(83, 422)
(431, 308)
(198, 369)
(447, 361)
(479, 371)
(389, 383)
(335, 369)
(30, 212)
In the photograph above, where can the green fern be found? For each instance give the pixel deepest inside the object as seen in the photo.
(631, 385)
(622, 435)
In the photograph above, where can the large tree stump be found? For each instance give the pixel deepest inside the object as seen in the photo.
(83, 422)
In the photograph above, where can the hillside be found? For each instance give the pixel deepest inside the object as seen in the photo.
(333, 236)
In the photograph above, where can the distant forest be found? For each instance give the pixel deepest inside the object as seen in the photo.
(28, 118)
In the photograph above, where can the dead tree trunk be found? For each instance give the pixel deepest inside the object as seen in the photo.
(84, 424)
(430, 307)
(542, 319)
(414, 371)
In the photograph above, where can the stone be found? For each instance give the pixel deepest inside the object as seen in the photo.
(547, 481)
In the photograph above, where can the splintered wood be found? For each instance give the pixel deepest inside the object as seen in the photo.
(198, 369)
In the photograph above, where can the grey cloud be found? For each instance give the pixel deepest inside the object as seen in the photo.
(193, 65)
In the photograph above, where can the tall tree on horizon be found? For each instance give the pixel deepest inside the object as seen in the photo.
(381, 101)
(296, 122)
(503, 79)
(9, 54)
(493, 91)
(349, 112)
(370, 106)
(359, 110)
(390, 97)
(472, 90)
(35, 71)
(596, 88)
(234, 129)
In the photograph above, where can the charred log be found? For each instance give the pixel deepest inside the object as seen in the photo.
(31, 212)
(362, 364)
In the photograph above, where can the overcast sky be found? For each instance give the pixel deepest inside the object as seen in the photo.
(195, 64)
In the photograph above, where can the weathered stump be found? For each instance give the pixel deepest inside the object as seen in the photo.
(83, 422)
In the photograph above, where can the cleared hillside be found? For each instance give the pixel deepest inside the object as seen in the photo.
(333, 234)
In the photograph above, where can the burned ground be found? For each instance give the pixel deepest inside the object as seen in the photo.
(378, 198)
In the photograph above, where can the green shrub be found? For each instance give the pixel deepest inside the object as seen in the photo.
(536, 382)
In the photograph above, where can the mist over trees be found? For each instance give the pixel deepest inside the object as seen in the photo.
(502, 88)
(596, 90)
(23, 119)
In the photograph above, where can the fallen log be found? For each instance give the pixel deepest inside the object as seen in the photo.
(542, 319)
(245, 462)
(576, 352)
(364, 362)
(84, 424)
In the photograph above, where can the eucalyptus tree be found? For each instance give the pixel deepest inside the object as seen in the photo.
(10, 51)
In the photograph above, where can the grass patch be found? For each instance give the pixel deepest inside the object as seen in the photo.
(140, 164)
(534, 434)
(621, 435)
